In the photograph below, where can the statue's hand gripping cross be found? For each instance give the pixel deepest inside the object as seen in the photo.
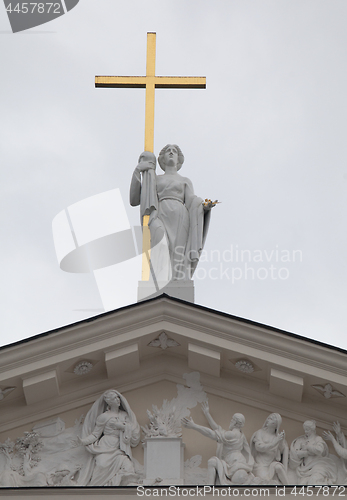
(150, 82)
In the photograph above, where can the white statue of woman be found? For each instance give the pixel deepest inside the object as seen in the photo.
(270, 451)
(178, 220)
(233, 460)
(109, 431)
(309, 455)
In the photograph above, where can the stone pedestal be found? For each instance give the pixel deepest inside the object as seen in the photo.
(164, 458)
(180, 289)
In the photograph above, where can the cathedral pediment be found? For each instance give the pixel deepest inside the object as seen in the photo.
(155, 340)
(147, 350)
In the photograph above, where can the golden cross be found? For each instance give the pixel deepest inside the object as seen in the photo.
(150, 82)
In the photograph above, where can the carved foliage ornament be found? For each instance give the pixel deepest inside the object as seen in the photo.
(163, 341)
(244, 366)
(82, 368)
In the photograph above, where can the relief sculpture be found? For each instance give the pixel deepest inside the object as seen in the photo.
(98, 450)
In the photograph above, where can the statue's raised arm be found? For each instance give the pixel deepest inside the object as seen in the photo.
(233, 462)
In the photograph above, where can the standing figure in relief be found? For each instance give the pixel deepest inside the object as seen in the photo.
(270, 451)
(233, 461)
(178, 219)
(309, 455)
(109, 431)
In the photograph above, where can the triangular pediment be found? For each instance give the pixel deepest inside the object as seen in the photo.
(77, 362)
(146, 349)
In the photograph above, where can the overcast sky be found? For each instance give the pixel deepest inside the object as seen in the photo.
(267, 138)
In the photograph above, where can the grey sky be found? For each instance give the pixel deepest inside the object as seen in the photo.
(267, 138)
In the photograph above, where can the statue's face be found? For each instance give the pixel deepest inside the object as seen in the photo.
(271, 421)
(309, 427)
(171, 155)
(235, 422)
(112, 398)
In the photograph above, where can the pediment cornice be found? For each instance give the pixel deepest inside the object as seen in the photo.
(207, 341)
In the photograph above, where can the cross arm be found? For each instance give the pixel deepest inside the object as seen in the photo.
(160, 82)
(137, 82)
(180, 82)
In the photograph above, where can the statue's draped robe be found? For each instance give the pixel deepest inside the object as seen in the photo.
(178, 222)
(233, 454)
(111, 459)
(317, 468)
(265, 462)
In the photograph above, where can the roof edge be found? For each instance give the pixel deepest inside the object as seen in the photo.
(181, 301)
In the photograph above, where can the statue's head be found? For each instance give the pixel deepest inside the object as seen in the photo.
(273, 421)
(112, 397)
(309, 426)
(149, 157)
(171, 154)
(238, 420)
